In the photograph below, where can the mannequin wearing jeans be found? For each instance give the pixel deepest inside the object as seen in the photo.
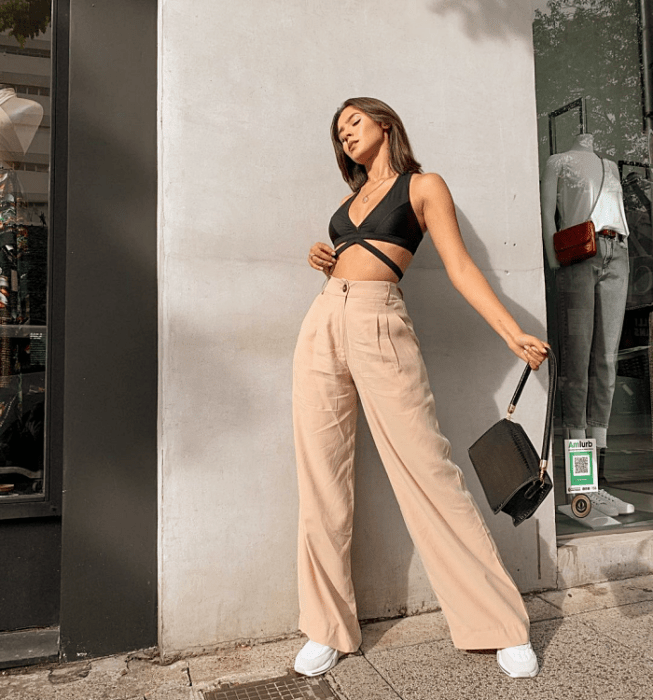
(591, 295)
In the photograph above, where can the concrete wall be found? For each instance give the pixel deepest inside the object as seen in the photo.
(247, 184)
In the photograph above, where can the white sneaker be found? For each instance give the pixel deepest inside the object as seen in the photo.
(623, 507)
(519, 661)
(601, 501)
(315, 659)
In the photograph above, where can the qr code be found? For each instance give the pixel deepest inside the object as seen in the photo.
(581, 465)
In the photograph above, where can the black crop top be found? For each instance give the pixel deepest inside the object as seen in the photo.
(392, 220)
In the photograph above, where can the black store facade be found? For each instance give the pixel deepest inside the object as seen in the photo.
(78, 330)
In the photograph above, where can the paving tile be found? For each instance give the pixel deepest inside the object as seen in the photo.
(540, 609)
(244, 664)
(168, 693)
(599, 596)
(146, 674)
(112, 678)
(576, 661)
(390, 634)
(101, 679)
(429, 627)
(124, 678)
(355, 679)
(65, 682)
(24, 686)
(630, 625)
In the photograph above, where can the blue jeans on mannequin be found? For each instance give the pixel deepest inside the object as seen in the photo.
(591, 298)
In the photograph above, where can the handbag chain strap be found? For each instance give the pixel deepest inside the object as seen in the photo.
(548, 424)
(598, 196)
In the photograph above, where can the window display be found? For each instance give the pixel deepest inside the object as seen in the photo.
(594, 157)
(24, 179)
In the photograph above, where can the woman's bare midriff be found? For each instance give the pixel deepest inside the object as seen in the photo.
(356, 263)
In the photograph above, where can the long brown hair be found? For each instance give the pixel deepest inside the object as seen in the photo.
(401, 154)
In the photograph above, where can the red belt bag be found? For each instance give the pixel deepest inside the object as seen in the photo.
(578, 243)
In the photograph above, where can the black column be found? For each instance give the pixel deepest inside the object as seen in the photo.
(109, 568)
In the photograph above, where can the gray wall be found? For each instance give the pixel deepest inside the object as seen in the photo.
(247, 183)
(108, 586)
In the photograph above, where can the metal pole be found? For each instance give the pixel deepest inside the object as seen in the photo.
(646, 17)
(646, 12)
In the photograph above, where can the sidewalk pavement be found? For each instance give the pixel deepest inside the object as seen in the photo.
(593, 642)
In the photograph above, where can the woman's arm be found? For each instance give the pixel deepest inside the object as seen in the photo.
(434, 200)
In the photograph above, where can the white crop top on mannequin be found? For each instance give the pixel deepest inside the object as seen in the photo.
(577, 192)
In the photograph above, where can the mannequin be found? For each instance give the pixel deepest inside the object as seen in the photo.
(570, 183)
(591, 295)
(21, 393)
(19, 121)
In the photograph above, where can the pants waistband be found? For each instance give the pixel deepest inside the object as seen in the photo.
(610, 233)
(363, 289)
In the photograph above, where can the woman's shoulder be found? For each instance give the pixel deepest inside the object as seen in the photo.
(347, 198)
(428, 185)
(428, 180)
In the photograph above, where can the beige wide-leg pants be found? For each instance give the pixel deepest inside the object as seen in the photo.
(357, 340)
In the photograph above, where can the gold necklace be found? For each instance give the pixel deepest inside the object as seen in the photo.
(367, 196)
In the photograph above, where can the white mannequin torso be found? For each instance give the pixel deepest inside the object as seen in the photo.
(571, 183)
(19, 122)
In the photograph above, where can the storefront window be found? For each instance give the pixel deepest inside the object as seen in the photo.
(25, 69)
(594, 162)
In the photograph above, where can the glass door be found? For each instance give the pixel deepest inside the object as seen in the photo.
(25, 147)
(590, 86)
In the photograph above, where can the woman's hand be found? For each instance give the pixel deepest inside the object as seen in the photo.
(529, 348)
(322, 257)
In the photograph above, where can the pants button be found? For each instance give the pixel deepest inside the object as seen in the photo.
(344, 287)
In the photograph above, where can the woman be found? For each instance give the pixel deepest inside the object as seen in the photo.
(358, 341)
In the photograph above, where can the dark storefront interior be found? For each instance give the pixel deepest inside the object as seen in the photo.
(592, 61)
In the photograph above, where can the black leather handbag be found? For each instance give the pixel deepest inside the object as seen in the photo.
(511, 473)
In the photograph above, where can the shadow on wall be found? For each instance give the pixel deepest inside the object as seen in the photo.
(486, 383)
(382, 551)
(493, 19)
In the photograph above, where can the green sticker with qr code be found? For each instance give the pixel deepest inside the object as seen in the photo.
(580, 462)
